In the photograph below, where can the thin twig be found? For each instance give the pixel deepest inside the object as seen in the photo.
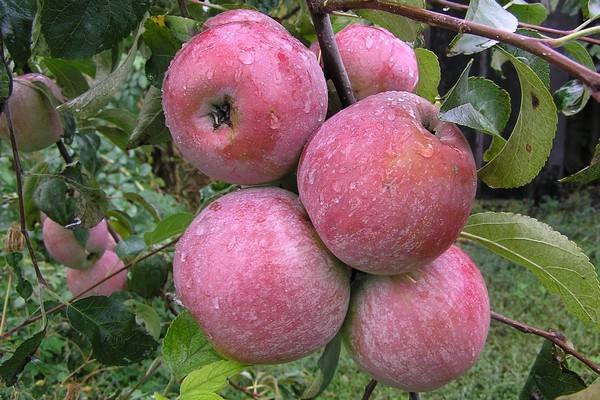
(369, 389)
(555, 337)
(155, 365)
(243, 389)
(183, 8)
(532, 45)
(64, 152)
(59, 307)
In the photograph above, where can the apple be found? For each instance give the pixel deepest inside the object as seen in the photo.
(253, 273)
(376, 61)
(80, 280)
(241, 15)
(387, 184)
(36, 122)
(420, 330)
(63, 246)
(241, 100)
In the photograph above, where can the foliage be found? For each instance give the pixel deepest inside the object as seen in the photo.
(117, 161)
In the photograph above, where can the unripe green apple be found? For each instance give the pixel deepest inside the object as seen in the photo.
(387, 184)
(79, 280)
(241, 100)
(35, 121)
(253, 273)
(420, 330)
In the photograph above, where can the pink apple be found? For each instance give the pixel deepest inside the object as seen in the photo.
(387, 185)
(421, 330)
(80, 280)
(241, 99)
(376, 61)
(35, 121)
(62, 245)
(254, 274)
(241, 15)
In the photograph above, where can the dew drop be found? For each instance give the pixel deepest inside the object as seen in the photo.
(369, 42)
(210, 73)
(246, 57)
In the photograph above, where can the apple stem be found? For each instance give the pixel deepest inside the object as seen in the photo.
(332, 60)
(369, 389)
(221, 114)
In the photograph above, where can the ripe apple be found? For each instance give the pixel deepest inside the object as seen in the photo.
(243, 14)
(78, 280)
(257, 279)
(376, 61)
(63, 246)
(420, 330)
(241, 99)
(35, 121)
(387, 184)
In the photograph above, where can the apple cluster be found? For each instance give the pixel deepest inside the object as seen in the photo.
(366, 245)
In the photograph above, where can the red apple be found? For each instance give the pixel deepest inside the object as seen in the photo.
(376, 61)
(35, 121)
(80, 280)
(241, 99)
(62, 245)
(257, 279)
(421, 330)
(387, 184)
(241, 15)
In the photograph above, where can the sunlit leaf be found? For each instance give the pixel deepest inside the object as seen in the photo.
(591, 393)
(531, 13)
(211, 377)
(169, 227)
(16, 20)
(429, 74)
(151, 127)
(11, 368)
(589, 173)
(403, 28)
(327, 365)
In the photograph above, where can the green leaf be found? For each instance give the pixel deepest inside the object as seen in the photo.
(11, 368)
(550, 376)
(91, 201)
(486, 12)
(213, 191)
(264, 6)
(149, 276)
(574, 95)
(146, 316)
(82, 28)
(531, 13)
(88, 103)
(211, 377)
(23, 287)
(124, 223)
(589, 173)
(116, 135)
(591, 393)
(51, 197)
(16, 21)
(558, 263)
(151, 127)
(112, 330)
(129, 248)
(70, 78)
(327, 365)
(403, 28)
(530, 142)
(429, 74)
(121, 118)
(139, 199)
(477, 103)
(185, 348)
(5, 85)
(172, 225)
(30, 184)
(200, 395)
(89, 146)
(590, 9)
(158, 396)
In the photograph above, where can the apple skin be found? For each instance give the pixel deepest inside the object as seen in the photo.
(376, 61)
(421, 330)
(385, 194)
(241, 15)
(62, 245)
(241, 101)
(79, 280)
(253, 273)
(36, 122)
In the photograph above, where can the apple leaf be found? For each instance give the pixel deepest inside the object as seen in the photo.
(149, 276)
(531, 13)
(172, 225)
(477, 103)
(23, 286)
(199, 395)
(91, 201)
(588, 174)
(550, 375)
(89, 146)
(210, 378)
(574, 95)
(403, 28)
(51, 197)
(112, 330)
(16, 21)
(70, 78)
(31, 182)
(592, 392)
(146, 316)
(129, 248)
(158, 396)
(327, 365)
(146, 205)
(590, 9)
(429, 74)
(558, 263)
(88, 103)
(185, 348)
(529, 144)
(151, 127)
(486, 12)
(82, 28)
(12, 367)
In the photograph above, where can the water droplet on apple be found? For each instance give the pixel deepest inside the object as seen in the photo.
(210, 73)
(246, 57)
(425, 151)
(238, 75)
(215, 303)
(352, 185)
(336, 187)
(274, 123)
(369, 42)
